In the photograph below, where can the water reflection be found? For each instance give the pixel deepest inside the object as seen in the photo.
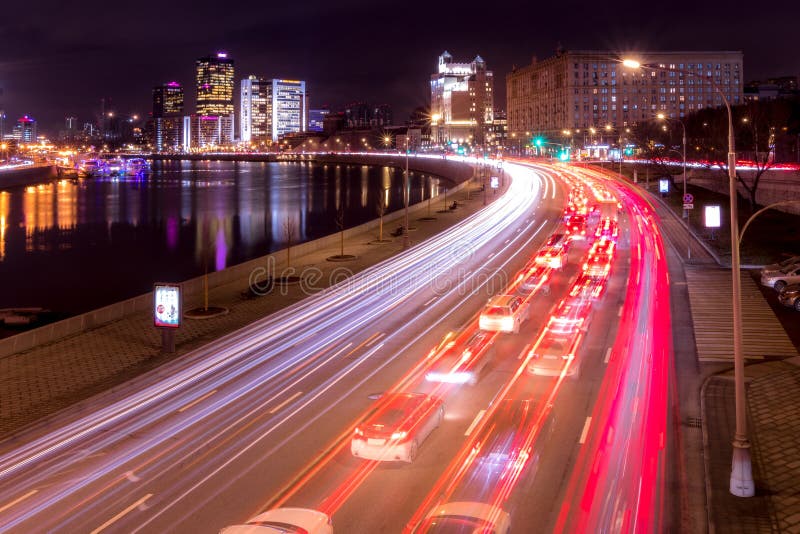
(76, 245)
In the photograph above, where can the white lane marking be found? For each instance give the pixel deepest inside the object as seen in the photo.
(619, 313)
(122, 513)
(507, 240)
(434, 298)
(585, 430)
(17, 501)
(196, 401)
(474, 422)
(608, 355)
(524, 352)
(284, 403)
(375, 339)
(491, 256)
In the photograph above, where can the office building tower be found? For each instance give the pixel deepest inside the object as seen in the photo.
(165, 127)
(591, 91)
(462, 101)
(25, 130)
(168, 100)
(253, 125)
(214, 82)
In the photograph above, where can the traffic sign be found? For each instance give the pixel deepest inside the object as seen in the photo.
(688, 205)
(688, 198)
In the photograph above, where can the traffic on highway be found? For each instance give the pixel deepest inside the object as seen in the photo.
(512, 374)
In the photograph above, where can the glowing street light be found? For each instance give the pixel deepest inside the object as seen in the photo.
(741, 482)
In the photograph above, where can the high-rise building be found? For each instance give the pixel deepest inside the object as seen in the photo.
(165, 127)
(25, 130)
(214, 82)
(253, 125)
(168, 100)
(286, 107)
(206, 131)
(592, 91)
(462, 101)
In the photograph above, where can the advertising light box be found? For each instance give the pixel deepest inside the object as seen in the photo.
(663, 185)
(495, 182)
(713, 216)
(167, 305)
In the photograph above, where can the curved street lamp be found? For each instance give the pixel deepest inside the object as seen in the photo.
(741, 482)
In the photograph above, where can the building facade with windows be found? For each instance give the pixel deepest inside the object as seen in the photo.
(580, 91)
(200, 132)
(462, 102)
(167, 120)
(214, 81)
(253, 125)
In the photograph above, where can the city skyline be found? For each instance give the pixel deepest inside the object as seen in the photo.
(347, 51)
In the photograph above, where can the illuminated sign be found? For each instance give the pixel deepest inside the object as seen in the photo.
(167, 305)
(495, 182)
(663, 185)
(713, 217)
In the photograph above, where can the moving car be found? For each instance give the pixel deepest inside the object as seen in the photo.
(467, 517)
(789, 296)
(285, 521)
(554, 257)
(395, 430)
(555, 354)
(608, 228)
(463, 363)
(534, 278)
(576, 227)
(503, 313)
(782, 278)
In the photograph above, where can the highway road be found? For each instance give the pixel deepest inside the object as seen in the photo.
(264, 416)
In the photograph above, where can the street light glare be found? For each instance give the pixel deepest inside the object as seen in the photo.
(631, 63)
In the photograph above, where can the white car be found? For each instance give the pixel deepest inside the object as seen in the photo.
(397, 426)
(285, 521)
(788, 262)
(465, 516)
(780, 279)
(503, 313)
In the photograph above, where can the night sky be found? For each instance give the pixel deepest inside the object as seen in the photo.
(61, 58)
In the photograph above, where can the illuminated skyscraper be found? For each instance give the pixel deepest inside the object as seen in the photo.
(284, 108)
(25, 130)
(168, 100)
(253, 125)
(165, 128)
(215, 83)
(462, 101)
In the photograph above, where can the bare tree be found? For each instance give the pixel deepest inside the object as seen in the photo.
(381, 208)
(340, 224)
(289, 231)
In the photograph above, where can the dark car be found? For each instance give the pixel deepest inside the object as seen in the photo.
(790, 296)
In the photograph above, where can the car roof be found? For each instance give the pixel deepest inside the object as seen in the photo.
(501, 300)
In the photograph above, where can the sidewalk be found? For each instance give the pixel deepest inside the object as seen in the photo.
(41, 381)
(706, 391)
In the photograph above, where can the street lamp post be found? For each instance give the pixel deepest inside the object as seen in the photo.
(741, 481)
(406, 194)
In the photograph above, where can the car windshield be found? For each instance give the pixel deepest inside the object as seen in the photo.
(456, 524)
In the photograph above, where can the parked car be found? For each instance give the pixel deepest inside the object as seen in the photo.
(465, 516)
(503, 313)
(781, 264)
(397, 427)
(463, 363)
(782, 278)
(789, 296)
(283, 521)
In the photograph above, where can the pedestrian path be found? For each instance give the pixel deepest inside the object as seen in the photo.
(763, 337)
